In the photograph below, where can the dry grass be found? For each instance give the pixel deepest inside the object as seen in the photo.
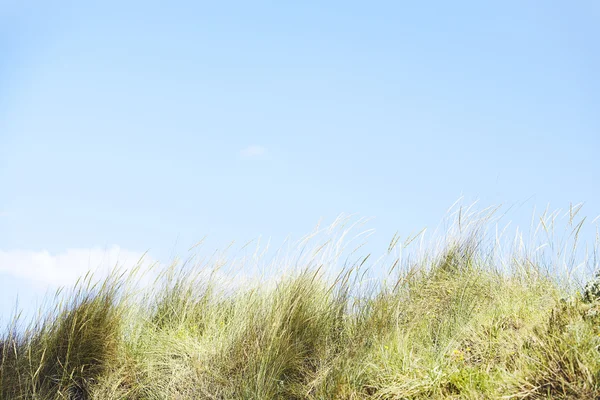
(474, 316)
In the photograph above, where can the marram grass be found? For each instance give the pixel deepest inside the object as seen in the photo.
(463, 319)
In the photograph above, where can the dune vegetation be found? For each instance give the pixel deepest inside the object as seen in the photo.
(473, 314)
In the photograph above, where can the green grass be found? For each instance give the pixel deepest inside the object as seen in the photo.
(464, 319)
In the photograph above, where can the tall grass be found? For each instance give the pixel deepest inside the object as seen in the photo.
(474, 315)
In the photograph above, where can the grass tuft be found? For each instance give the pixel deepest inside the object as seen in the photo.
(464, 319)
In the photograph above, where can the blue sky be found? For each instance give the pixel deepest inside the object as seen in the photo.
(128, 127)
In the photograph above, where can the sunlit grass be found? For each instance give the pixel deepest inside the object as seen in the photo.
(474, 314)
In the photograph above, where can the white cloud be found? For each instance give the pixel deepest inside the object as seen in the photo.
(63, 269)
(4, 214)
(254, 151)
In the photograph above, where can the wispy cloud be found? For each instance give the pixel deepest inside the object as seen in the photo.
(4, 214)
(63, 269)
(254, 151)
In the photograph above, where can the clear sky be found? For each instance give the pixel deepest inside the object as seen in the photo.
(133, 126)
